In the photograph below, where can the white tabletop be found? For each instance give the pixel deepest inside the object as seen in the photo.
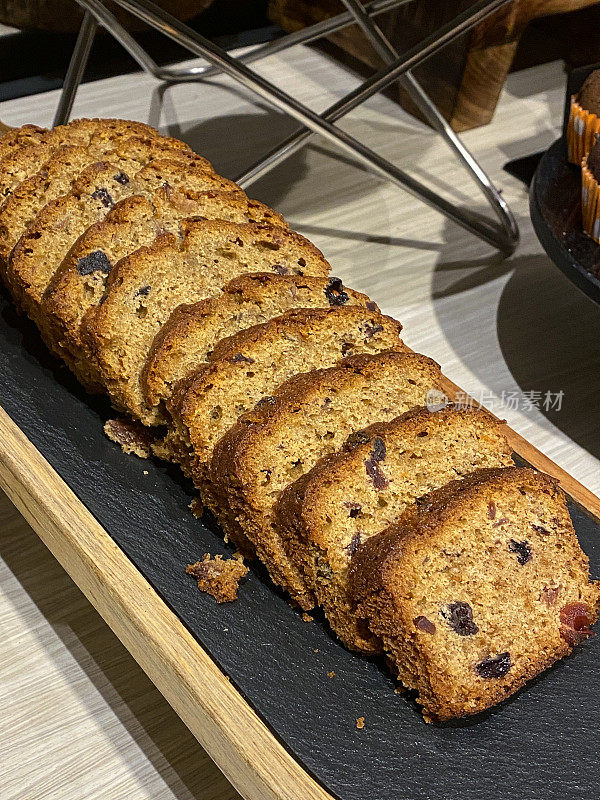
(79, 719)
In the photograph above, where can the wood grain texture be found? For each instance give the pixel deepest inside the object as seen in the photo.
(247, 753)
(466, 79)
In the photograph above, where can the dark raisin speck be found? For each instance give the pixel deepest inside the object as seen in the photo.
(372, 467)
(334, 292)
(354, 508)
(280, 269)
(491, 510)
(121, 178)
(356, 439)
(459, 617)
(521, 549)
(346, 348)
(143, 291)
(424, 624)
(353, 545)
(540, 529)
(97, 261)
(494, 667)
(371, 330)
(241, 358)
(103, 196)
(371, 306)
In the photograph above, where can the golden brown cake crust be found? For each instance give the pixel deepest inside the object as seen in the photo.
(194, 329)
(355, 492)
(308, 416)
(521, 598)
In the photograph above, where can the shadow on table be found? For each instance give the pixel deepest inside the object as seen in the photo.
(165, 741)
(547, 330)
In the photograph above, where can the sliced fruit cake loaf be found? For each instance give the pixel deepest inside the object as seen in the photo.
(479, 590)
(325, 515)
(41, 250)
(307, 417)
(250, 365)
(145, 288)
(192, 331)
(80, 282)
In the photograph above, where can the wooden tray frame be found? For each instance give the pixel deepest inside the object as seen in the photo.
(238, 741)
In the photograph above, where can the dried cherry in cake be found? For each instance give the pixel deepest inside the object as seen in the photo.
(96, 261)
(424, 624)
(575, 623)
(103, 196)
(334, 292)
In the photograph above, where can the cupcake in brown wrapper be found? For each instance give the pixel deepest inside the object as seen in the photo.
(590, 192)
(584, 119)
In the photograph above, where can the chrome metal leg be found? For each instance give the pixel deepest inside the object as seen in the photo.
(76, 68)
(171, 27)
(398, 67)
(509, 228)
(308, 34)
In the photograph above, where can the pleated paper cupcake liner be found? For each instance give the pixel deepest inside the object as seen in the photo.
(581, 131)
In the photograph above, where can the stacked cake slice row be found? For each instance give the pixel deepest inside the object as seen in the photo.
(295, 407)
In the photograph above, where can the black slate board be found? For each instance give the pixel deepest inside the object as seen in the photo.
(540, 745)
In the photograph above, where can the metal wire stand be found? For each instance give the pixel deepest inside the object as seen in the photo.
(503, 234)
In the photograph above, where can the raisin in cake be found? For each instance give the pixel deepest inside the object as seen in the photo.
(325, 515)
(307, 417)
(80, 282)
(41, 250)
(147, 287)
(480, 590)
(192, 331)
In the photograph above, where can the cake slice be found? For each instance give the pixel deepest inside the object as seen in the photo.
(249, 366)
(146, 287)
(325, 515)
(96, 137)
(480, 590)
(79, 283)
(307, 417)
(41, 250)
(192, 331)
(57, 175)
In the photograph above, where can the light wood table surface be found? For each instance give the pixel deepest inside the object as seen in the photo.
(79, 719)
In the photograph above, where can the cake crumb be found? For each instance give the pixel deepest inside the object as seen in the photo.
(146, 472)
(196, 507)
(360, 723)
(331, 674)
(316, 650)
(307, 617)
(133, 437)
(218, 576)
